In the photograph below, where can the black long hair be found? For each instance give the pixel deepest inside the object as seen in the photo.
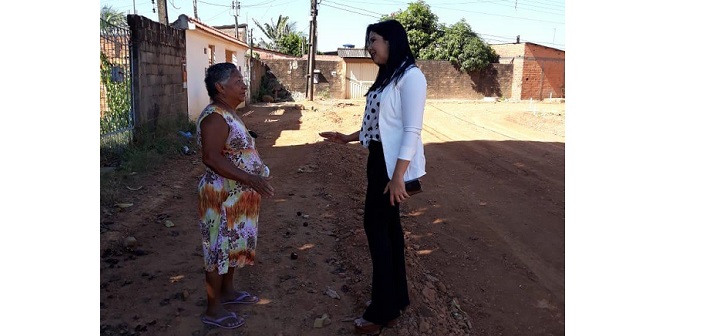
(400, 56)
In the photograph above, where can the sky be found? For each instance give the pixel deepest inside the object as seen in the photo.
(344, 21)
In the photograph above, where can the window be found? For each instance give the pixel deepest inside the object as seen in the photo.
(212, 55)
(231, 57)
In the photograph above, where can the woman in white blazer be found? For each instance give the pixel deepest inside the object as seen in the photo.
(390, 129)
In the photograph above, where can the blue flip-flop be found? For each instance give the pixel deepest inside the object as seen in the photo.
(220, 321)
(243, 298)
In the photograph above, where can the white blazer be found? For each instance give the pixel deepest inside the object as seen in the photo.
(401, 110)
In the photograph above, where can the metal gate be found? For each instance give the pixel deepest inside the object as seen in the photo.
(360, 77)
(358, 89)
(117, 112)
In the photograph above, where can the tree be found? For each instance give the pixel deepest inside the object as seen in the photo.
(420, 23)
(462, 47)
(275, 31)
(291, 44)
(110, 16)
(429, 40)
(282, 36)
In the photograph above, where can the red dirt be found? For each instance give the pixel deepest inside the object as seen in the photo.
(485, 240)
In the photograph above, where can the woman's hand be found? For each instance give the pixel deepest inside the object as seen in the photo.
(397, 189)
(335, 137)
(260, 184)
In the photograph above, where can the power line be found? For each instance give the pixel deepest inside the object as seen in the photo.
(533, 10)
(350, 11)
(213, 4)
(258, 5)
(548, 2)
(217, 15)
(499, 15)
(357, 8)
(434, 6)
(505, 39)
(269, 4)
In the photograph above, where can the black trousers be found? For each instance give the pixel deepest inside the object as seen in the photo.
(382, 224)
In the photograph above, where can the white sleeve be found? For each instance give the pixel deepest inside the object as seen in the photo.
(413, 90)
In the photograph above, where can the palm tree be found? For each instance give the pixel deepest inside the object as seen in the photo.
(110, 16)
(275, 31)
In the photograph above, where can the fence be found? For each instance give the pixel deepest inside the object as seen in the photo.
(116, 107)
(357, 89)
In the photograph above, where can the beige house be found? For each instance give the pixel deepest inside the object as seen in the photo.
(205, 46)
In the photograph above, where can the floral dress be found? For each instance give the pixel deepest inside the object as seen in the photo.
(228, 209)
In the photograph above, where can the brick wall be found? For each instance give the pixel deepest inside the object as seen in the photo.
(509, 50)
(258, 69)
(539, 72)
(330, 78)
(444, 80)
(544, 72)
(447, 82)
(513, 54)
(292, 73)
(157, 57)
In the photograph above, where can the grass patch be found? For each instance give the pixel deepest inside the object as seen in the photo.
(149, 150)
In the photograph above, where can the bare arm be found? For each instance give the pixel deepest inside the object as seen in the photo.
(214, 132)
(340, 138)
(397, 185)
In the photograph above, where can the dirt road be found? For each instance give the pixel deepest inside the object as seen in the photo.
(485, 240)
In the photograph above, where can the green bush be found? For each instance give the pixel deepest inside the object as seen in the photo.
(118, 97)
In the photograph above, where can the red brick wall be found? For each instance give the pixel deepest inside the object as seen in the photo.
(539, 72)
(544, 73)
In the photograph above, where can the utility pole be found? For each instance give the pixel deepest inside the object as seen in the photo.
(313, 49)
(236, 8)
(195, 10)
(162, 12)
(250, 65)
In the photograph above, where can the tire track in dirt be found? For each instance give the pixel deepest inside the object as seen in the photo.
(433, 309)
(473, 269)
(501, 193)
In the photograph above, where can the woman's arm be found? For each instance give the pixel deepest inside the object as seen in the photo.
(214, 131)
(413, 91)
(340, 137)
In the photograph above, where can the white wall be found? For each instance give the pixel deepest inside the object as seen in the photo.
(197, 63)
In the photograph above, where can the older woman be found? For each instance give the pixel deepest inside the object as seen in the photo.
(229, 193)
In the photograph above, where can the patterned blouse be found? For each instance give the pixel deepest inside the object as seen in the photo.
(370, 123)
